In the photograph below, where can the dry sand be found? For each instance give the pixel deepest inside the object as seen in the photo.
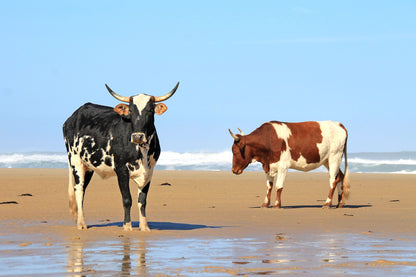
(378, 203)
(189, 204)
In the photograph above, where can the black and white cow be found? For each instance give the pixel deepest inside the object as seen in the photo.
(110, 141)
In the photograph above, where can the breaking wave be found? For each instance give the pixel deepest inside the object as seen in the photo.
(34, 160)
(395, 162)
(219, 161)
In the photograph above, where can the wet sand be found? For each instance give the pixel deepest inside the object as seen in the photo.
(209, 223)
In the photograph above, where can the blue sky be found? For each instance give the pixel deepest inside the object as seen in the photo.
(240, 63)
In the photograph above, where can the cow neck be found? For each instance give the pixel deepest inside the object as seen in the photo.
(255, 149)
(265, 146)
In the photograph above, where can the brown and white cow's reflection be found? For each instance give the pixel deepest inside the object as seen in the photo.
(86, 258)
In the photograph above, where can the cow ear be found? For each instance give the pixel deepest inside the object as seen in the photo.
(160, 108)
(122, 109)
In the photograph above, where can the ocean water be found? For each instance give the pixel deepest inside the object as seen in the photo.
(383, 162)
(294, 255)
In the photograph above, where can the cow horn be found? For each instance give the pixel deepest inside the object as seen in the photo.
(234, 136)
(166, 96)
(241, 132)
(118, 97)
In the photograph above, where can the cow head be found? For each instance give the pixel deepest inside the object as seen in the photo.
(241, 154)
(140, 111)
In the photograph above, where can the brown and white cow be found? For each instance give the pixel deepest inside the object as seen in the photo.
(303, 146)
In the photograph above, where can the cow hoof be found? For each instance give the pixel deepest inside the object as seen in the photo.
(340, 206)
(326, 206)
(277, 206)
(82, 226)
(144, 229)
(265, 205)
(127, 227)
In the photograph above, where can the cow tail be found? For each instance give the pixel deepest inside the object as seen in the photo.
(346, 181)
(73, 209)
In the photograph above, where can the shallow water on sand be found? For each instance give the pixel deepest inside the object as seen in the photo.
(328, 254)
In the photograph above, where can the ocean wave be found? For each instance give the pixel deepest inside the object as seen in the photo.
(403, 172)
(381, 162)
(398, 163)
(33, 160)
(217, 161)
(29, 158)
(173, 158)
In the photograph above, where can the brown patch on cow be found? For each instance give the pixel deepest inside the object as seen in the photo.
(304, 141)
(343, 127)
(262, 144)
(266, 147)
(341, 197)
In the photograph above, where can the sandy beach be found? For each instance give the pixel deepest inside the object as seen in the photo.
(192, 212)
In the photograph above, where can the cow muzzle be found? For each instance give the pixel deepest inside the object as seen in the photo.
(138, 138)
(237, 171)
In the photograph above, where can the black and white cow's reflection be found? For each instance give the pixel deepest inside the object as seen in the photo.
(81, 263)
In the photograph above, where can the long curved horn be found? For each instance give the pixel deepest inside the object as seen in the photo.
(166, 96)
(118, 97)
(241, 132)
(234, 136)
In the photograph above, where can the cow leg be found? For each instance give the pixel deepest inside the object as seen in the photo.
(269, 184)
(334, 177)
(278, 203)
(143, 187)
(88, 176)
(142, 202)
(71, 194)
(123, 183)
(281, 176)
(328, 201)
(81, 179)
(339, 180)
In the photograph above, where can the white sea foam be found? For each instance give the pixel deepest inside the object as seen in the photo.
(399, 162)
(169, 158)
(380, 162)
(24, 160)
(28, 158)
(403, 172)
